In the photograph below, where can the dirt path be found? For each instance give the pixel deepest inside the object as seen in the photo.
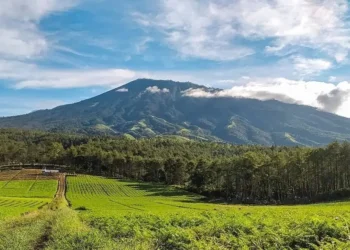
(61, 189)
(58, 202)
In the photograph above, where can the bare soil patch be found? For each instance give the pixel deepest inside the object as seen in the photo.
(26, 174)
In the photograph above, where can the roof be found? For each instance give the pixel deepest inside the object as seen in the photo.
(50, 171)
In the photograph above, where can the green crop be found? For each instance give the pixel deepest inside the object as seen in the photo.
(145, 216)
(18, 197)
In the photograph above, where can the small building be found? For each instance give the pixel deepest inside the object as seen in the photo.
(49, 171)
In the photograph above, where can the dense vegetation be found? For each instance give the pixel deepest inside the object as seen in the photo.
(251, 174)
(148, 108)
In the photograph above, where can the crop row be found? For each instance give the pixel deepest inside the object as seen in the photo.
(28, 188)
(21, 203)
(97, 186)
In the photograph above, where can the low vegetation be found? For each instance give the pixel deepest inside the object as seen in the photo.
(117, 214)
(22, 196)
(145, 216)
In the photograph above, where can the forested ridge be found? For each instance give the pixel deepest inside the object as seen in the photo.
(245, 174)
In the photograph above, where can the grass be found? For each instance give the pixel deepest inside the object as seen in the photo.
(146, 216)
(11, 207)
(28, 188)
(111, 214)
(102, 196)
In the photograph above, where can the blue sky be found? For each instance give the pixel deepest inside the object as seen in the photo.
(54, 52)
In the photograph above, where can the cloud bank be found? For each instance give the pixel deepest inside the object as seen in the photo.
(326, 96)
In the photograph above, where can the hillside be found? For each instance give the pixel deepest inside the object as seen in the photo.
(147, 108)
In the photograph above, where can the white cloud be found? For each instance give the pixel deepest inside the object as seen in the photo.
(34, 77)
(191, 28)
(332, 98)
(318, 94)
(315, 24)
(155, 89)
(214, 29)
(19, 32)
(307, 66)
(122, 90)
(77, 78)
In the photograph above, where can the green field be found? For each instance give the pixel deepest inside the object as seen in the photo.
(113, 214)
(20, 196)
(144, 216)
(109, 197)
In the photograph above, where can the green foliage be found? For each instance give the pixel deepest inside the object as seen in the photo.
(159, 217)
(243, 174)
(18, 197)
(28, 188)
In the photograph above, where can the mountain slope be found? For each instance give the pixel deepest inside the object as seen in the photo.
(146, 108)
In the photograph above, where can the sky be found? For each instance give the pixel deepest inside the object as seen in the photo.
(54, 52)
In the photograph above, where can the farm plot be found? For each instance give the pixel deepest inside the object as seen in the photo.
(109, 197)
(25, 174)
(28, 188)
(19, 193)
(15, 206)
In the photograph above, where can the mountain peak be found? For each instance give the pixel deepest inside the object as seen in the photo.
(144, 83)
(146, 108)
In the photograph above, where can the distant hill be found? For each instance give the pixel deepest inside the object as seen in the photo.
(147, 108)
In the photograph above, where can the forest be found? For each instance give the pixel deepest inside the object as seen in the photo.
(248, 174)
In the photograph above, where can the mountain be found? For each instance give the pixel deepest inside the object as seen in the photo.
(145, 108)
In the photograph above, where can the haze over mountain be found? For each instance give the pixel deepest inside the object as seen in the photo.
(146, 108)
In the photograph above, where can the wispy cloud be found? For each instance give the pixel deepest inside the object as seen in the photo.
(195, 30)
(77, 79)
(308, 66)
(217, 30)
(19, 32)
(32, 76)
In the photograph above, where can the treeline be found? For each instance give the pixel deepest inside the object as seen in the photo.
(247, 174)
